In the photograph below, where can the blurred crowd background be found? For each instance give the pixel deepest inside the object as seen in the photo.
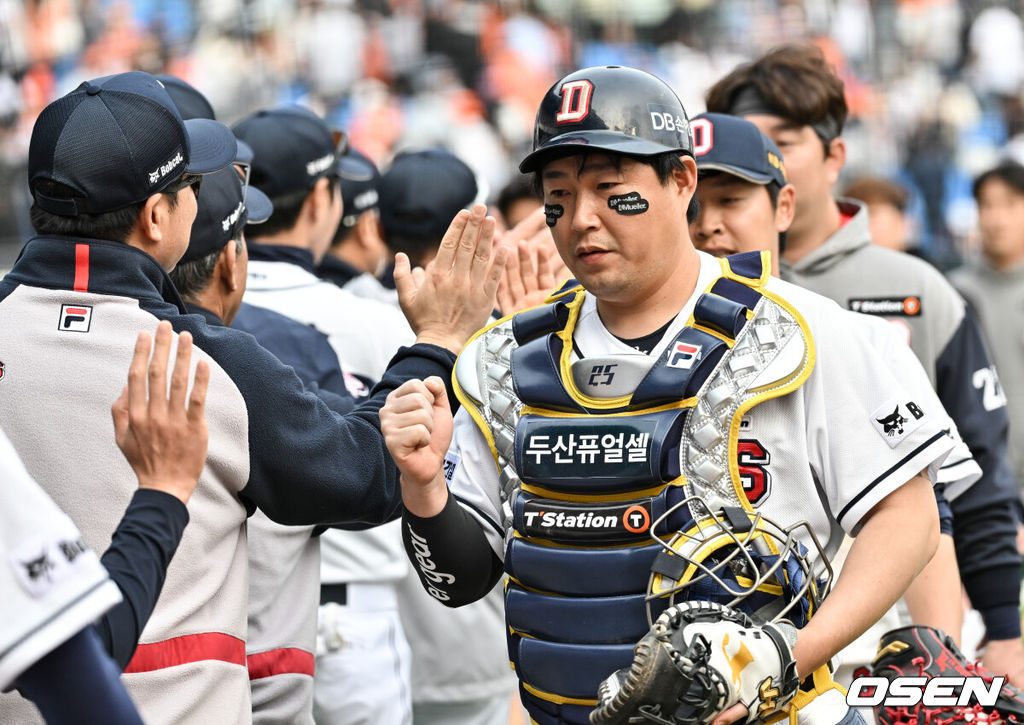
(935, 87)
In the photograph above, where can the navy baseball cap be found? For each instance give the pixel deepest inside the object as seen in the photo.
(293, 148)
(225, 205)
(736, 146)
(115, 141)
(423, 191)
(359, 181)
(193, 104)
(189, 101)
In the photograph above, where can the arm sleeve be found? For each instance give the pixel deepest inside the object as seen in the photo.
(451, 555)
(78, 683)
(140, 550)
(867, 434)
(308, 464)
(984, 516)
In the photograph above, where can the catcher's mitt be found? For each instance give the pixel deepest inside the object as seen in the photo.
(919, 651)
(699, 659)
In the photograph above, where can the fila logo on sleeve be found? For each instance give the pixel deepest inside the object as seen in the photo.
(894, 420)
(75, 318)
(575, 101)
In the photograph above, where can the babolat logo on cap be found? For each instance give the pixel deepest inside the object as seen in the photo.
(320, 165)
(231, 218)
(563, 521)
(166, 168)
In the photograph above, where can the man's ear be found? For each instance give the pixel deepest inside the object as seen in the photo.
(685, 178)
(227, 265)
(319, 198)
(785, 207)
(153, 218)
(835, 160)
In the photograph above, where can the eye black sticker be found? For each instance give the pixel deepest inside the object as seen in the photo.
(631, 203)
(552, 213)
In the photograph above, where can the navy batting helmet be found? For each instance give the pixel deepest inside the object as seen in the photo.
(615, 108)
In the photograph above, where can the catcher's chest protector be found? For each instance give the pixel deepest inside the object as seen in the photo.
(584, 475)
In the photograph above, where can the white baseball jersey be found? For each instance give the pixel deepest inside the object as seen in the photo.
(825, 453)
(959, 471)
(53, 585)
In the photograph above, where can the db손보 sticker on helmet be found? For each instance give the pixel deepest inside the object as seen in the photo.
(667, 123)
(552, 213)
(631, 203)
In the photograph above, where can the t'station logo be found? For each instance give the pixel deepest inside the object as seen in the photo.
(75, 318)
(575, 101)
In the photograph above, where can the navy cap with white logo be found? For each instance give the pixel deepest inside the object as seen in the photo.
(359, 186)
(116, 140)
(736, 146)
(293, 149)
(422, 192)
(225, 206)
(189, 101)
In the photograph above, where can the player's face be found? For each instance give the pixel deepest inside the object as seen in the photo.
(1000, 210)
(809, 169)
(179, 225)
(330, 208)
(735, 216)
(620, 230)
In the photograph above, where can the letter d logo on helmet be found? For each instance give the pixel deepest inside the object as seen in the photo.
(613, 108)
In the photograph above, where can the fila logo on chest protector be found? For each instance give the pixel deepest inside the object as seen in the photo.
(895, 420)
(684, 355)
(75, 318)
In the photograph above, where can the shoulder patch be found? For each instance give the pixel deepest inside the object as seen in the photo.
(895, 420)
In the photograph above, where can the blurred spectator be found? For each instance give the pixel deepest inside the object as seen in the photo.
(993, 283)
(517, 200)
(887, 207)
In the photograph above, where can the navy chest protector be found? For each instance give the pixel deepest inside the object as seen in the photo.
(590, 483)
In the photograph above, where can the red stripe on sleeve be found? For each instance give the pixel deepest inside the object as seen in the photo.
(286, 660)
(186, 649)
(81, 268)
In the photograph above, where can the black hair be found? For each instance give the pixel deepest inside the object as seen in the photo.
(417, 248)
(1009, 172)
(521, 187)
(663, 164)
(192, 277)
(114, 226)
(287, 207)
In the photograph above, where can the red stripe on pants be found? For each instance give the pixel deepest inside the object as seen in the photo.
(286, 660)
(81, 268)
(186, 649)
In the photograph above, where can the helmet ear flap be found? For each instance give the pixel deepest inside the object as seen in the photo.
(740, 559)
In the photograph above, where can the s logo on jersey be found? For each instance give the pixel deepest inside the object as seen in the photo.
(753, 459)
